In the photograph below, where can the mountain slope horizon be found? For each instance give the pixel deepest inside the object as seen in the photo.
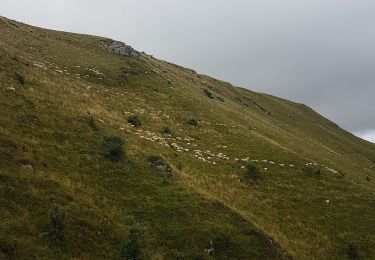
(101, 145)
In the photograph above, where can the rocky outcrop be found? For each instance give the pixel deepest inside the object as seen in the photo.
(120, 48)
(158, 163)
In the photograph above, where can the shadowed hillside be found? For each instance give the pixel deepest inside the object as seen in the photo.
(108, 153)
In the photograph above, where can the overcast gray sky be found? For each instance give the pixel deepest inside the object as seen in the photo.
(317, 52)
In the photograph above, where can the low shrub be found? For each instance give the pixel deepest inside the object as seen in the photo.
(252, 173)
(131, 248)
(166, 130)
(352, 251)
(91, 122)
(192, 121)
(20, 78)
(223, 246)
(312, 170)
(113, 148)
(134, 121)
(56, 227)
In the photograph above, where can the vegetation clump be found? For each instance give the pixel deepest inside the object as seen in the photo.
(312, 170)
(113, 148)
(223, 246)
(252, 173)
(134, 121)
(192, 121)
(56, 227)
(352, 251)
(131, 248)
(91, 122)
(166, 130)
(20, 78)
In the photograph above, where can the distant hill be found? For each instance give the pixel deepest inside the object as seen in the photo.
(109, 153)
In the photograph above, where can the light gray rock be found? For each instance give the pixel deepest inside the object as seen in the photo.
(27, 167)
(121, 49)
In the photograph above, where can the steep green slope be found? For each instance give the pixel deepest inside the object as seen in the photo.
(62, 94)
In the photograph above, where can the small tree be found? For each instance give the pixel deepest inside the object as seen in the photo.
(131, 248)
(56, 227)
(113, 148)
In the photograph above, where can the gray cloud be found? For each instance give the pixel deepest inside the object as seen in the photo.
(321, 52)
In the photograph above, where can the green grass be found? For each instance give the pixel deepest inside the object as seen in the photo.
(52, 131)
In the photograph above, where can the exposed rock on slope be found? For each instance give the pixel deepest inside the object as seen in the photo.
(120, 48)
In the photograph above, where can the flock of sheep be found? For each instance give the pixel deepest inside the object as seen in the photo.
(180, 145)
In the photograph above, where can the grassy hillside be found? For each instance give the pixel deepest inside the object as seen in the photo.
(213, 171)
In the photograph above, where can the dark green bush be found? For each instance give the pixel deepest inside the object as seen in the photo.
(113, 148)
(20, 78)
(312, 170)
(352, 251)
(131, 248)
(223, 246)
(208, 93)
(134, 121)
(192, 121)
(91, 122)
(166, 130)
(252, 172)
(56, 227)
